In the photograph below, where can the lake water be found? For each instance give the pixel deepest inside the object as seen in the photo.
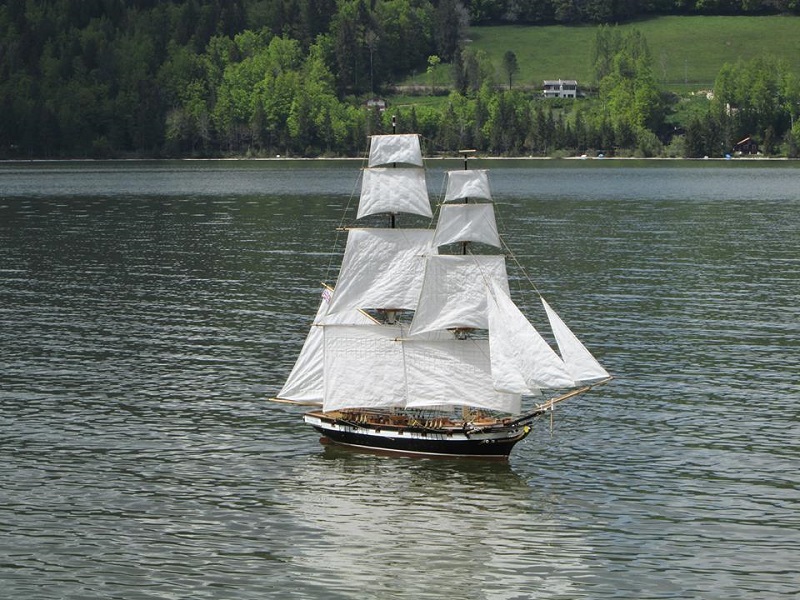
(147, 310)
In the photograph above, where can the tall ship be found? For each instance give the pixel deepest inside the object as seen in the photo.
(418, 348)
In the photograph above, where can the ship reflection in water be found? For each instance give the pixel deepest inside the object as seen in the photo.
(381, 526)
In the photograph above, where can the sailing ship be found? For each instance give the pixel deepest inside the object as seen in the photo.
(418, 350)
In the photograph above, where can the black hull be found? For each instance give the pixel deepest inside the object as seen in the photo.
(469, 448)
(493, 442)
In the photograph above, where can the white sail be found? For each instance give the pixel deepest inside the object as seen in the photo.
(364, 367)
(467, 184)
(382, 268)
(582, 366)
(387, 190)
(454, 291)
(304, 383)
(466, 223)
(395, 148)
(376, 366)
(522, 361)
(453, 372)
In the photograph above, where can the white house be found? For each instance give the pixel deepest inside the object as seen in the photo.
(378, 103)
(560, 88)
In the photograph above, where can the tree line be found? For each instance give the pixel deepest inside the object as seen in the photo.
(571, 12)
(108, 78)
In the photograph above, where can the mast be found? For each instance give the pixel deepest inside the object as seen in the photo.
(464, 246)
(393, 215)
(390, 315)
(465, 154)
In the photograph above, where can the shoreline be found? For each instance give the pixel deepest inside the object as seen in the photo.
(278, 159)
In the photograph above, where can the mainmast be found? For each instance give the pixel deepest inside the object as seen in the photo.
(393, 215)
(463, 333)
(390, 314)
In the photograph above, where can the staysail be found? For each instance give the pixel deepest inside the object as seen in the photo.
(522, 361)
(582, 366)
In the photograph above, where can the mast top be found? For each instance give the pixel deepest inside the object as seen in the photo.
(466, 154)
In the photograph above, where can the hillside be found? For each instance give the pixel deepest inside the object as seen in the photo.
(123, 78)
(688, 51)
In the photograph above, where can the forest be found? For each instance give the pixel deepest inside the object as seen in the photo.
(210, 78)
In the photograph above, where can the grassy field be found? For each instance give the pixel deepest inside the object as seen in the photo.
(688, 52)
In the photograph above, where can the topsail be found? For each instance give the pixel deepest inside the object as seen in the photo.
(465, 184)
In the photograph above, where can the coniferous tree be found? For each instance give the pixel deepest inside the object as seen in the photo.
(510, 66)
(451, 22)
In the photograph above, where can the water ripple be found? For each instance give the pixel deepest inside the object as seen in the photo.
(142, 331)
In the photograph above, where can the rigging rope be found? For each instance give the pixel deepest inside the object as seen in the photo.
(333, 256)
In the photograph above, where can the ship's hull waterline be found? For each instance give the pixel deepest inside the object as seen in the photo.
(494, 440)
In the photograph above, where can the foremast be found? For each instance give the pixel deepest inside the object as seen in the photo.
(381, 270)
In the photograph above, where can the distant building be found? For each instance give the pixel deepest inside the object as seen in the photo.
(560, 88)
(745, 146)
(378, 103)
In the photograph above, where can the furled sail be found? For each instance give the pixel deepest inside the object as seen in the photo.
(522, 361)
(304, 383)
(467, 184)
(382, 268)
(454, 291)
(466, 223)
(582, 366)
(395, 148)
(387, 190)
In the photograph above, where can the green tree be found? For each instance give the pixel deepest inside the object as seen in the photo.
(760, 97)
(460, 82)
(314, 121)
(451, 22)
(607, 43)
(510, 66)
(349, 29)
(506, 125)
(630, 92)
(406, 37)
(566, 11)
(433, 65)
